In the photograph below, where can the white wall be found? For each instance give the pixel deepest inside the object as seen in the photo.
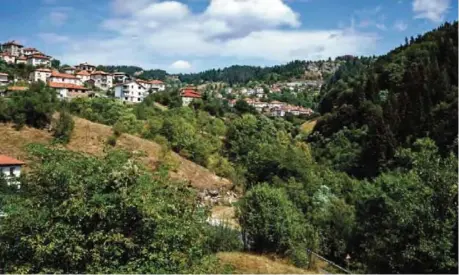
(6, 170)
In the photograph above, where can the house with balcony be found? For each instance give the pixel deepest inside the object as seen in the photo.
(14, 48)
(8, 58)
(58, 77)
(29, 51)
(86, 67)
(11, 169)
(83, 76)
(189, 94)
(157, 85)
(120, 77)
(102, 80)
(40, 74)
(69, 90)
(3, 79)
(21, 60)
(39, 59)
(132, 92)
(69, 70)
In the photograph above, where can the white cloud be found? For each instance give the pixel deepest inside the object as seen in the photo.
(181, 65)
(53, 38)
(381, 27)
(167, 33)
(434, 10)
(400, 25)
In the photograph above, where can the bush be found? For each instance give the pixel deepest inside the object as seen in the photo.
(63, 127)
(272, 224)
(223, 238)
(111, 140)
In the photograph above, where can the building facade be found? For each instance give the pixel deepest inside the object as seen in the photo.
(41, 74)
(39, 60)
(14, 48)
(58, 77)
(132, 92)
(102, 80)
(86, 67)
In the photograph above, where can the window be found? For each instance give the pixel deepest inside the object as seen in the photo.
(138, 99)
(11, 171)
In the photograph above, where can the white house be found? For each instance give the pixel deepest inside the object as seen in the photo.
(29, 51)
(38, 60)
(40, 74)
(21, 60)
(3, 78)
(157, 85)
(133, 92)
(102, 80)
(64, 78)
(11, 168)
(68, 90)
(83, 76)
(119, 77)
(86, 67)
(13, 48)
(8, 58)
(188, 95)
(69, 70)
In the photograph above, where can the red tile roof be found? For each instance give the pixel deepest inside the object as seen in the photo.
(190, 92)
(37, 56)
(5, 160)
(83, 73)
(99, 72)
(156, 82)
(66, 86)
(17, 88)
(62, 75)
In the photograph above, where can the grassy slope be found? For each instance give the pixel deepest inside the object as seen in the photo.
(90, 138)
(308, 126)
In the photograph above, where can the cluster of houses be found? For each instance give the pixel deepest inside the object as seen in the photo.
(12, 52)
(275, 108)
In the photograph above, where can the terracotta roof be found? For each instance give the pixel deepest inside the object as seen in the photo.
(99, 72)
(83, 73)
(43, 70)
(12, 43)
(37, 56)
(66, 86)
(190, 92)
(17, 88)
(22, 58)
(5, 160)
(156, 82)
(62, 75)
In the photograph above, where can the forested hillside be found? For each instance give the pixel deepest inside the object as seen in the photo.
(373, 106)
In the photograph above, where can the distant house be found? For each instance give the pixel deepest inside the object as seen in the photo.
(119, 77)
(14, 48)
(133, 92)
(39, 59)
(102, 80)
(189, 94)
(8, 58)
(11, 168)
(3, 78)
(69, 90)
(83, 76)
(86, 67)
(69, 70)
(64, 78)
(157, 85)
(21, 60)
(29, 51)
(13, 89)
(40, 74)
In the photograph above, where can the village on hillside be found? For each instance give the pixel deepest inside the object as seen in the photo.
(85, 80)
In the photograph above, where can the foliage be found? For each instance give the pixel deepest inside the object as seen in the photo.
(63, 127)
(223, 238)
(80, 214)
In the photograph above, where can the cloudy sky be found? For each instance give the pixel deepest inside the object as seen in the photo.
(194, 35)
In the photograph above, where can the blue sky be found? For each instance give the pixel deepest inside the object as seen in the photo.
(194, 35)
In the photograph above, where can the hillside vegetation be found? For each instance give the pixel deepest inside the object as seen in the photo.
(376, 179)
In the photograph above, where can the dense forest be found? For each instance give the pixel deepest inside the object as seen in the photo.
(376, 179)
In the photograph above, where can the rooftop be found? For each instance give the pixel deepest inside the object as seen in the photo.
(62, 75)
(6, 160)
(83, 73)
(15, 43)
(66, 86)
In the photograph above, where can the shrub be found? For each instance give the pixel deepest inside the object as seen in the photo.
(223, 238)
(63, 127)
(111, 140)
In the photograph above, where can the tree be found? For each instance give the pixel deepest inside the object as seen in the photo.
(55, 63)
(63, 127)
(80, 214)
